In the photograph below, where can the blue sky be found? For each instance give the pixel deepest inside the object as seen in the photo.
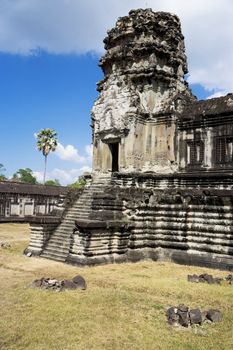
(46, 90)
(49, 52)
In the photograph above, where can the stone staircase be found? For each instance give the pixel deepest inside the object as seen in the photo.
(58, 246)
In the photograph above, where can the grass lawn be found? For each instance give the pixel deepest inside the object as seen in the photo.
(122, 308)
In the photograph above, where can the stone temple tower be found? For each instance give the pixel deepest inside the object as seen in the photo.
(169, 195)
(134, 115)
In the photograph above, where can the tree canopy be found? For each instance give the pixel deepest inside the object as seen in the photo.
(46, 143)
(25, 175)
(81, 182)
(54, 182)
(2, 169)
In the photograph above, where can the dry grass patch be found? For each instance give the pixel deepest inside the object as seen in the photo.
(14, 232)
(122, 308)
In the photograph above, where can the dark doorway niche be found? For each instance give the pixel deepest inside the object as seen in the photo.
(114, 148)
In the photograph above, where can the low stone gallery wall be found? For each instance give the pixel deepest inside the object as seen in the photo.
(23, 202)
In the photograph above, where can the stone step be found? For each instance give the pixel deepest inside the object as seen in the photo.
(77, 208)
(60, 233)
(63, 232)
(83, 207)
(86, 198)
(53, 257)
(57, 251)
(80, 212)
(69, 222)
(60, 253)
(57, 247)
(60, 241)
(75, 216)
(62, 228)
(80, 206)
(80, 217)
(35, 244)
(83, 202)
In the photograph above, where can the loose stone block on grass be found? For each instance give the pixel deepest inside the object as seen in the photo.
(185, 317)
(78, 282)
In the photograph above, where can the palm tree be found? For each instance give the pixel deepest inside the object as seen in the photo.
(46, 142)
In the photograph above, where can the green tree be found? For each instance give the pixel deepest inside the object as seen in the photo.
(52, 182)
(81, 182)
(46, 143)
(2, 176)
(25, 175)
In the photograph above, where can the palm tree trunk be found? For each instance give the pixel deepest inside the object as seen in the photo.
(45, 166)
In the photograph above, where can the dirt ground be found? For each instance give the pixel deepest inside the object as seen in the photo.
(17, 235)
(14, 232)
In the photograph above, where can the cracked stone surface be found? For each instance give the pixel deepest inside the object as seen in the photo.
(144, 67)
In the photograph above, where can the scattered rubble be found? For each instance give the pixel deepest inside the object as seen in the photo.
(214, 315)
(5, 245)
(206, 278)
(229, 279)
(78, 282)
(185, 317)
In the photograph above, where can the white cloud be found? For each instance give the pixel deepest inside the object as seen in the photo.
(66, 26)
(64, 176)
(39, 175)
(217, 94)
(69, 153)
